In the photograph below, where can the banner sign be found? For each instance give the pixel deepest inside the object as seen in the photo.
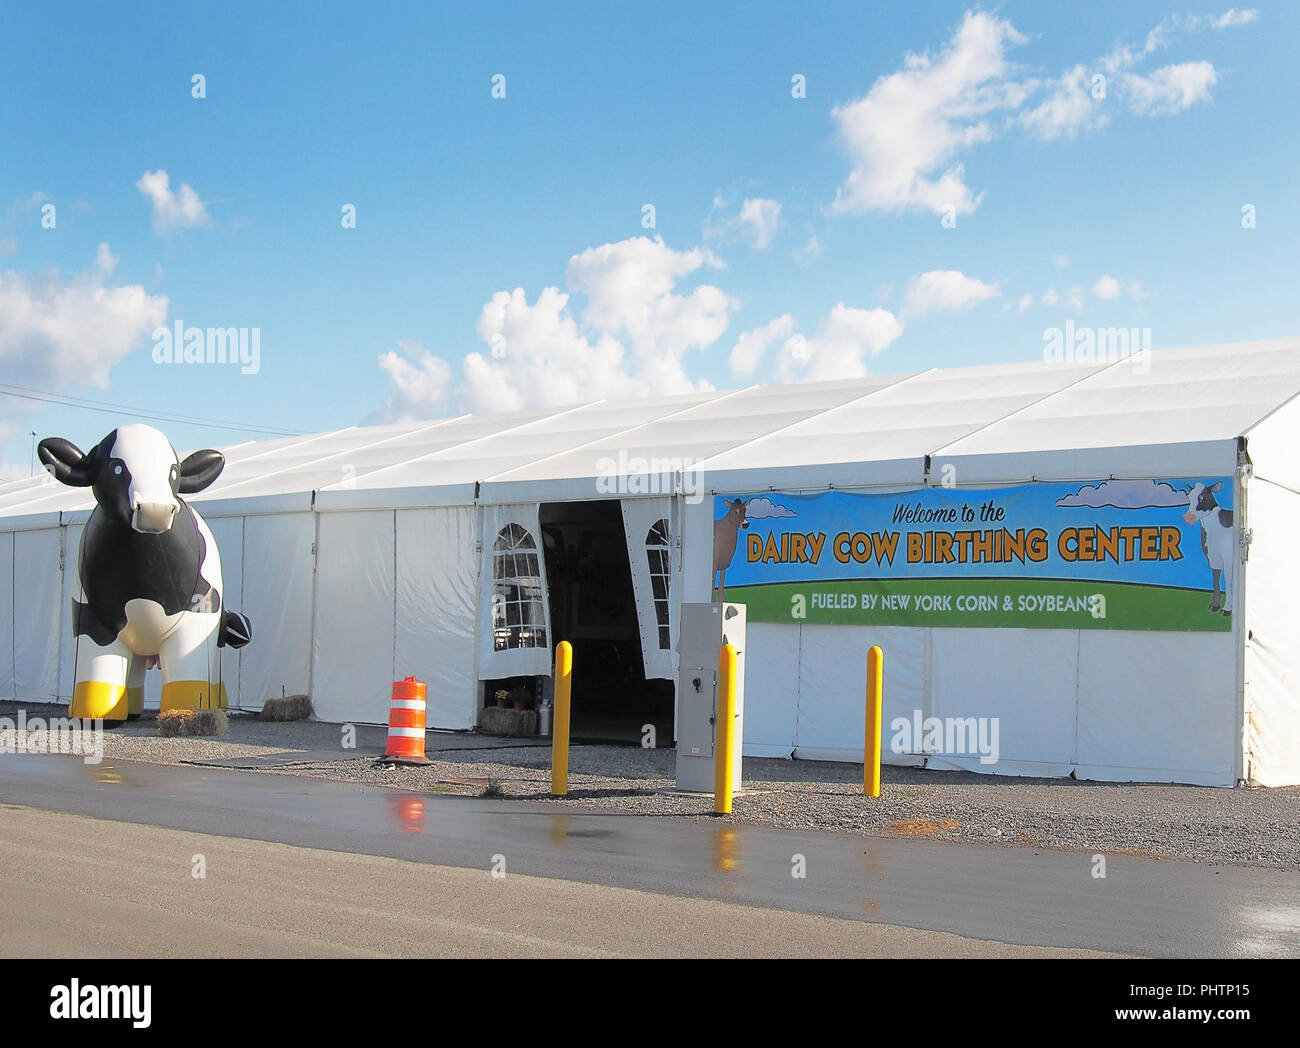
(1129, 555)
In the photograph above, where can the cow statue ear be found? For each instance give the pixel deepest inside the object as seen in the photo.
(65, 462)
(1213, 489)
(199, 470)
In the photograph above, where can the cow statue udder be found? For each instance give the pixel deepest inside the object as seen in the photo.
(150, 575)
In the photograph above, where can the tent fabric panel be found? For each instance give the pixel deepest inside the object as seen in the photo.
(279, 656)
(70, 590)
(1139, 461)
(1272, 655)
(36, 620)
(652, 567)
(833, 687)
(437, 595)
(352, 675)
(6, 615)
(1271, 446)
(228, 533)
(771, 689)
(532, 660)
(1158, 707)
(1025, 679)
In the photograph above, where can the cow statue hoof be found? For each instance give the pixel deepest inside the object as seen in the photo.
(150, 574)
(1214, 604)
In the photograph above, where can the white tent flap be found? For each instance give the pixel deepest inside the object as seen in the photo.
(36, 621)
(514, 634)
(6, 615)
(277, 547)
(437, 578)
(1272, 652)
(647, 528)
(352, 677)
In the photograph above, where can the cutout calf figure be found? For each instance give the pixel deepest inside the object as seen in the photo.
(150, 574)
(726, 533)
(1216, 540)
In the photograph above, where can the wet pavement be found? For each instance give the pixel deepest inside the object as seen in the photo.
(1142, 906)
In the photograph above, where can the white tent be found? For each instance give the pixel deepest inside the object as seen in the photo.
(367, 554)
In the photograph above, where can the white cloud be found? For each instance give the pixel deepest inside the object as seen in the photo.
(1137, 291)
(944, 289)
(1107, 287)
(1233, 17)
(1170, 89)
(1026, 300)
(756, 222)
(55, 333)
(419, 383)
(105, 260)
(904, 135)
(763, 508)
(1068, 110)
(847, 338)
(1125, 494)
(751, 346)
(181, 209)
(1071, 298)
(628, 341)
(907, 136)
(1060, 261)
(810, 252)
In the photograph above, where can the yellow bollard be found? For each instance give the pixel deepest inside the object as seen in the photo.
(875, 706)
(724, 752)
(560, 721)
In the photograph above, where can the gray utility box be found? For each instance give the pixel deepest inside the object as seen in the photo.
(704, 629)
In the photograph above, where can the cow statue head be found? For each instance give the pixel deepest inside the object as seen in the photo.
(736, 514)
(1200, 502)
(135, 474)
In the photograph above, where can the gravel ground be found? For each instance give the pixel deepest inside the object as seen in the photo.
(1254, 827)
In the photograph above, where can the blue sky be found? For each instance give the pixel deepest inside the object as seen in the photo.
(793, 238)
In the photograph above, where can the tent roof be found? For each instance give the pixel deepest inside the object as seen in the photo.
(1172, 413)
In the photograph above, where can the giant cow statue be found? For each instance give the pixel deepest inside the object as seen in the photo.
(150, 574)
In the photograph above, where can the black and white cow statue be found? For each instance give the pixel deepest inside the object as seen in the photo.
(1217, 540)
(150, 575)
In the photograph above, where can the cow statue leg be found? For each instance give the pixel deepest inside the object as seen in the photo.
(135, 687)
(100, 692)
(1216, 601)
(190, 662)
(1228, 573)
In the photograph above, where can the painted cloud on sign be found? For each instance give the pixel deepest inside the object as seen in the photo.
(1126, 494)
(760, 508)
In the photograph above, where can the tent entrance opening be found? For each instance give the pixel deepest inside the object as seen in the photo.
(593, 607)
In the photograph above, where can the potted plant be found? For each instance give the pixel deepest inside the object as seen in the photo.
(501, 695)
(520, 696)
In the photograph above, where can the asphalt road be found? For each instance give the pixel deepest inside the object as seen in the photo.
(982, 895)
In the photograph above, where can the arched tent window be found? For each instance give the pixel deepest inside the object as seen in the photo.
(518, 613)
(656, 550)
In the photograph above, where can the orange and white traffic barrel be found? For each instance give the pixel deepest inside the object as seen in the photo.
(406, 723)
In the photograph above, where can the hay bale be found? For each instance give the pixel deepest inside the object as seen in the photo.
(287, 708)
(176, 723)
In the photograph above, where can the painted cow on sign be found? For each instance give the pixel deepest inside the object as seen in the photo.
(726, 533)
(150, 574)
(1216, 540)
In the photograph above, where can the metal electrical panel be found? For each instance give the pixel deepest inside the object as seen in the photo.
(704, 629)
